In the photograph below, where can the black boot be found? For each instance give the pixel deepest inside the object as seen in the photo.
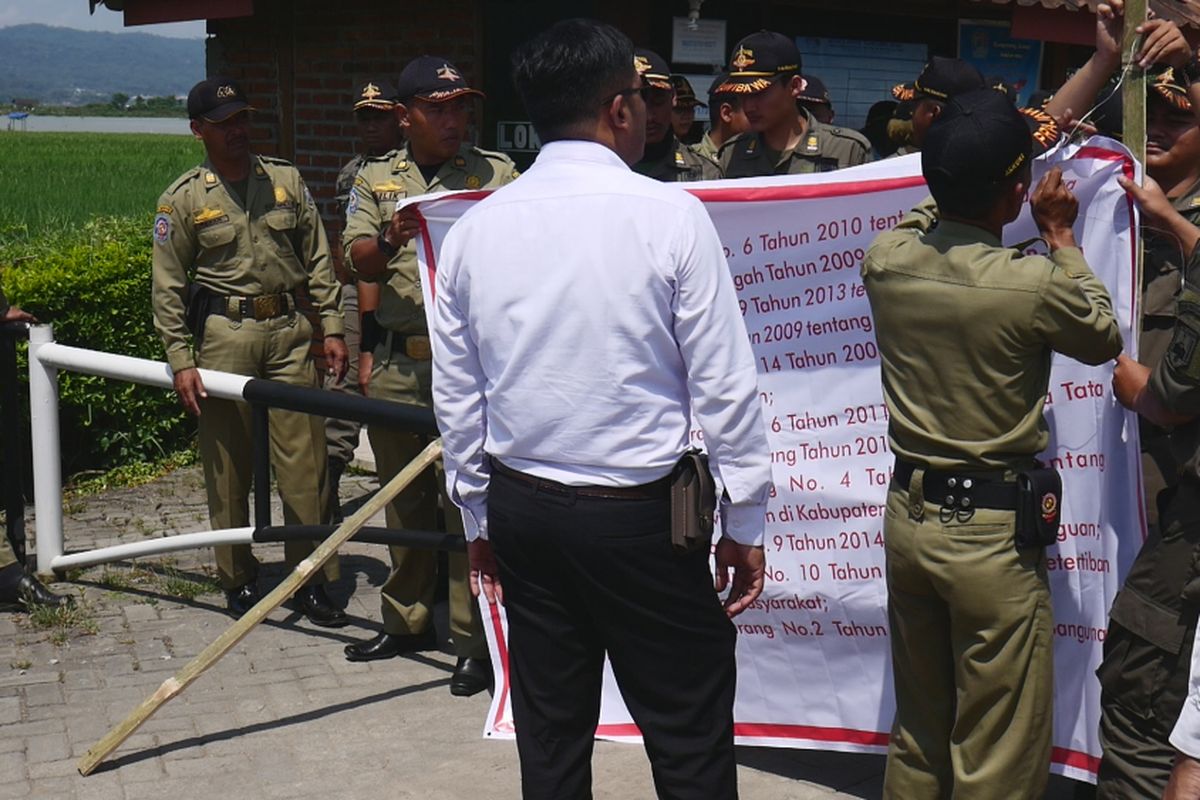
(335, 468)
(22, 591)
(241, 599)
(314, 604)
(390, 645)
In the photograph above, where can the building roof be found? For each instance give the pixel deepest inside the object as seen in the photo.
(1183, 12)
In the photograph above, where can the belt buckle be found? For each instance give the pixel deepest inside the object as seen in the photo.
(418, 348)
(266, 306)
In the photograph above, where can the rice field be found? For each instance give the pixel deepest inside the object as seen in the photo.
(58, 181)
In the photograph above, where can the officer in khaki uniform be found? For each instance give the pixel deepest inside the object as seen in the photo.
(234, 239)
(726, 119)
(666, 158)
(434, 107)
(378, 134)
(969, 601)
(783, 138)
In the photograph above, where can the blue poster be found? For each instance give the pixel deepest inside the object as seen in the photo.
(996, 54)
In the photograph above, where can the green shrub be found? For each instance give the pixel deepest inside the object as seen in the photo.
(93, 285)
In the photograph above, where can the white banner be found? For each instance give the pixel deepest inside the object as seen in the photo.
(813, 654)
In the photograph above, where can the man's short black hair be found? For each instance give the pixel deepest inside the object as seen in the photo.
(565, 73)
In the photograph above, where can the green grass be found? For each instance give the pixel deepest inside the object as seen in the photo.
(56, 181)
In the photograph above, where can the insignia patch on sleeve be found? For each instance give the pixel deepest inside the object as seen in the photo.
(162, 228)
(308, 198)
(1183, 354)
(352, 205)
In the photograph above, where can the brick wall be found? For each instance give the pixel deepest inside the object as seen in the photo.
(301, 62)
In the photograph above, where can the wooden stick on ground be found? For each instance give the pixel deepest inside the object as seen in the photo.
(236, 632)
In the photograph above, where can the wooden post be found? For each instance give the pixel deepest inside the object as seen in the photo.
(1134, 104)
(235, 633)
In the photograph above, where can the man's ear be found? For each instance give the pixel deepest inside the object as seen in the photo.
(619, 114)
(195, 126)
(797, 85)
(401, 112)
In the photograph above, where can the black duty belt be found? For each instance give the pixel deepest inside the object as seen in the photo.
(264, 306)
(415, 346)
(658, 490)
(963, 490)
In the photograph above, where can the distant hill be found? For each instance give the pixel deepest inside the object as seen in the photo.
(68, 66)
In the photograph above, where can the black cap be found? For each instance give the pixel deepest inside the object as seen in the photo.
(979, 138)
(216, 99)
(758, 59)
(375, 93)
(814, 91)
(718, 83)
(685, 95)
(944, 78)
(653, 69)
(431, 78)
(1003, 87)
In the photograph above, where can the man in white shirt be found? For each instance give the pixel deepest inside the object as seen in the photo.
(582, 315)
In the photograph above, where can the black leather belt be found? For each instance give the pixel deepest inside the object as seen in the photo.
(963, 490)
(264, 306)
(415, 346)
(646, 491)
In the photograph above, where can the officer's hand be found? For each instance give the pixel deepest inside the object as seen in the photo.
(485, 573)
(15, 314)
(1185, 779)
(337, 358)
(1054, 210)
(1163, 43)
(1151, 199)
(1129, 379)
(190, 390)
(1074, 126)
(749, 565)
(405, 224)
(366, 363)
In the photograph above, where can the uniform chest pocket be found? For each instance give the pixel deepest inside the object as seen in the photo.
(281, 223)
(214, 237)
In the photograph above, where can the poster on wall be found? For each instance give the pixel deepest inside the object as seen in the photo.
(990, 46)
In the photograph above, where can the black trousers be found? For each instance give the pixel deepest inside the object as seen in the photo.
(587, 576)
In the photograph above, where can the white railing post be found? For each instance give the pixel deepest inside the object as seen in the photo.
(47, 465)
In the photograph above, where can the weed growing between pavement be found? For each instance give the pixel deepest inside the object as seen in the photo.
(163, 580)
(127, 475)
(61, 623)
(21, 664)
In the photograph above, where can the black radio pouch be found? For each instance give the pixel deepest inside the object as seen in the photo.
(693, 503)
(198, 308)
(1039, 507)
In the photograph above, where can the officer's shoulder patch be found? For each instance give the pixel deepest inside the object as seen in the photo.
(459, 161)
(162, 228)
(851, 135)
(308, 198)
(1183, 354)
(493, 155)
(282, 162)
(164, 208)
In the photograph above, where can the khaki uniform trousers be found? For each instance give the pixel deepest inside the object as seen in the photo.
(407, 597)
(276, 349)
(342, 434)
(971, 633)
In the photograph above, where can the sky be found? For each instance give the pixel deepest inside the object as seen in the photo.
(74, 14)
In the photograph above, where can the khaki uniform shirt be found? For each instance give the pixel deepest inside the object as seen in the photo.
(823, 148)
(705, 147)
(274, 244)
(384, 181)
(679, 163)
(966, 329)
(1176, 376)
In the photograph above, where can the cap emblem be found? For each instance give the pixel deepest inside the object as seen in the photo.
(641, 64)
(226, 92)
(370, 91)
(743, 58)
(448, 73)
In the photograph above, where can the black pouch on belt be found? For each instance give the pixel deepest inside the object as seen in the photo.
(693, 503)
(197, 311)
(1039, 507)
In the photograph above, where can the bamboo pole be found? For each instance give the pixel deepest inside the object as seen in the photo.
(235, 633)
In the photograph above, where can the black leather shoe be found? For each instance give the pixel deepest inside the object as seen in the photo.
(314, 604)
(241, 599)
(32, 593)
(390, 645)
(471, 676)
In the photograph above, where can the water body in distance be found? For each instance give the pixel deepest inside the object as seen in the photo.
(99, 124)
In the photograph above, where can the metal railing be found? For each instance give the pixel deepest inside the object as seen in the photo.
(47, 357)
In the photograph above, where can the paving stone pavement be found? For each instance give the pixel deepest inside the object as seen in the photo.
(284, 715)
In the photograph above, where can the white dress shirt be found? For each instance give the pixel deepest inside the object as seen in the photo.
(1186, 736)
(578, 311)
